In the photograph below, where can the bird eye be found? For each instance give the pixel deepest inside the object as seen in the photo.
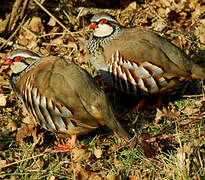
(103, 21)
(18, 58)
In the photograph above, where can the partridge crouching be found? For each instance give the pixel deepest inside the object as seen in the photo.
(61, 96)
(133, 60)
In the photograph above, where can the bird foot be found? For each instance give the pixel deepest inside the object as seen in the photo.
(159, 104)
(65, 146)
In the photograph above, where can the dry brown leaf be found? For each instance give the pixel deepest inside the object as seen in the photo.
(94, 176)
(23, 132)
(111, 175)
(132, 6)
(4, 23)
(133, 178)
(3, 100)
(182, 158)
(2, 163)
(39, 163)
(161, 11)
(72, 45)
(51, 22)
(165, 3)
(117, 163)
(80, 172)
(23, 40)
(97, 153)
(11, 126)
(80, 154)
(159, 25)
(158, 116)
(190, 110)
(51, 177)
(28, 119)
(58, 40)
(14, 177)
(36, 25)
(147, 148)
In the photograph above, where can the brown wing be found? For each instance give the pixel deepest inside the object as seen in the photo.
(66, 98)
(51, 93)
(143, 46)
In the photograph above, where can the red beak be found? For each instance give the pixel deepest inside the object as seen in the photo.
(93, 25)
(8, 62)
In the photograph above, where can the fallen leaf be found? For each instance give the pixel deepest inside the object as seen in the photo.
(3, 100)
(57, 41)
(52, 177)
(72, 45)
(132, 6)
(133, 178)
(80, 154)
(161, 11)
(97, 153)
(182, 157)
(4, 23)
(94, 176)
(80, 172)
(116, 162)
(2, 163)
(52, 22)
(36, 25)
(158, 116)
(23, 132)
(14, 177)
(189, 110)
(11, 126)
(159, 25)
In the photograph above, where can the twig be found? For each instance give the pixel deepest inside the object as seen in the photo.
(11, 164)
(197, 95)
(81, 10)
(23, 9)
(24, 160)
(17, 29)
(50, 44)
(43, 8)
(14, 12)
(62, 33)
(29, 31)
(53, 34)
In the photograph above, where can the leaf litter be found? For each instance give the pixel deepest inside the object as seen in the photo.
(171, 140)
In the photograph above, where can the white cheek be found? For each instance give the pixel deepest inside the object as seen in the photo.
(18, 67)
(103, 30)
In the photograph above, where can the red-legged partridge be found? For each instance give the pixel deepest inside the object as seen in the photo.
(131, 59)
(61, 96)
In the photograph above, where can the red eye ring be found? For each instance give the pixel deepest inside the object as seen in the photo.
(103, 21)
(18, 58)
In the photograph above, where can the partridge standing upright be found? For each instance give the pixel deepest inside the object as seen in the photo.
(61, 96)
(131, 59)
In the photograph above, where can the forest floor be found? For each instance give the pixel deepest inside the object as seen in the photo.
(171, 140)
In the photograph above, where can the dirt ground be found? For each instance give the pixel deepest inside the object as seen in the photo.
(171, 141)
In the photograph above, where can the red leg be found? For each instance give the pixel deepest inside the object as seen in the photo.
(159, 102)
(66, 147)
(140, 105)
(142, 102)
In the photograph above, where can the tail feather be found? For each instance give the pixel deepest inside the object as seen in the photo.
(198, 72)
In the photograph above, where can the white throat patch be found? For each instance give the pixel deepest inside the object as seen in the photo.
(103, 30)
(18, 67)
